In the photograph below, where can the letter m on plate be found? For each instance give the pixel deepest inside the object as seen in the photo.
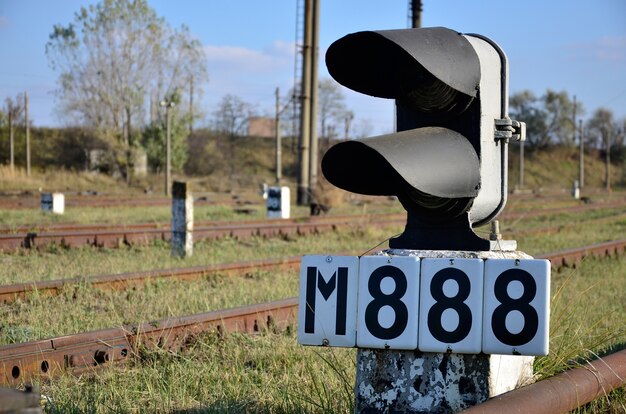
(327, 303)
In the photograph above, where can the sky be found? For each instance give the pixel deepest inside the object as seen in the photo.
(572, 45)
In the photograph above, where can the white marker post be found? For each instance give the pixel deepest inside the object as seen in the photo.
(278, 202)
(53, 202)
(182, 220)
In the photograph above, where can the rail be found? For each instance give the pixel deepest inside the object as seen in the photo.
(86, 351)
(143, 233)
(121, 281)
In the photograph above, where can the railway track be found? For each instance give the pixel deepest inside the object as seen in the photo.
(122, 281)
(143, 233)
(34, 202)
(147, 233)
(88, 351)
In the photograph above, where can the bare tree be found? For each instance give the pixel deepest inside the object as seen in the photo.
(332, 108)
(112, 57)
(600, 130)
(231, 119)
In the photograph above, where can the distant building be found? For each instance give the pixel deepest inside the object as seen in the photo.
(261, 126)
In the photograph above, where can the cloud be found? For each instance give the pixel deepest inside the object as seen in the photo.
(277, 56)
(4, 22)
(610, 49)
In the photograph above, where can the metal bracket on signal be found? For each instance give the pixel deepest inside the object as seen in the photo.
(507, 129)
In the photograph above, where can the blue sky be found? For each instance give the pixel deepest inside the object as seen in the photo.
(574, 45)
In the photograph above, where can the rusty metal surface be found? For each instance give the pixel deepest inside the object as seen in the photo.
(563, 392)
(88, 351)
(110, 236)
(85, 352)
(9, 293)
(142, 233)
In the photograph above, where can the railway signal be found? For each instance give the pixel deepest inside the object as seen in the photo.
(440, 289)
(447, 164)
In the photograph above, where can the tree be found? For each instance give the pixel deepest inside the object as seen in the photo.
(115, 57)
(332, 109)
(600, 130)
(524, 106)
(560, 111)
(155, 134)
(231, 119)
(549, 119)
(231, 116)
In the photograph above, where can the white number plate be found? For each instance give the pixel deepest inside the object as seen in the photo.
(495, 306)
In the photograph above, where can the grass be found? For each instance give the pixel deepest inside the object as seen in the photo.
(267, 373)
(255, 208)
(55, 262)
(270, 372)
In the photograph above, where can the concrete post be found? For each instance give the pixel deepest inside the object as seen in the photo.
(576, 190)
(278, 202)
(393, 381)
(182, 220)
(53, 202)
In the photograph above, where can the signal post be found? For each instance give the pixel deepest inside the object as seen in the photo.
(444, 319)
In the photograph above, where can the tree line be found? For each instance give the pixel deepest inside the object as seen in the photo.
(122, 68)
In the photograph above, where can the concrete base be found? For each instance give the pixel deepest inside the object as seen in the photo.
(415, 382)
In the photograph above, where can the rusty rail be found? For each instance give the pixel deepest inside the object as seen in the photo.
(121, 281)
(563, 392)
(81, 352)
(87, 351)
(142, 233)
(9, 293)
(129, 235)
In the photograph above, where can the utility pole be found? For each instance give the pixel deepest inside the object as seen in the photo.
(168, 146)
(27, 134)
(347, 121)
(607, 158)
(314, 147)
(279, 155)
(305, 107)
(520, 182)
(11, 138)
(190, 105)
(581, 158)
(416, 13)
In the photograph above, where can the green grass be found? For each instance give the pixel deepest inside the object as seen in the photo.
(270, 372)
(83, 308)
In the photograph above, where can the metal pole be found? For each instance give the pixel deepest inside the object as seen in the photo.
(27, 134)
(521, 165)
(11, 139)
(168, 145)
(168, 153)
(416, 14)
(348, 120)
(279, 156)
(191, 105)
(607, 158)
(581, 158)
(305, 115)
(563, 392)
(314, 147)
